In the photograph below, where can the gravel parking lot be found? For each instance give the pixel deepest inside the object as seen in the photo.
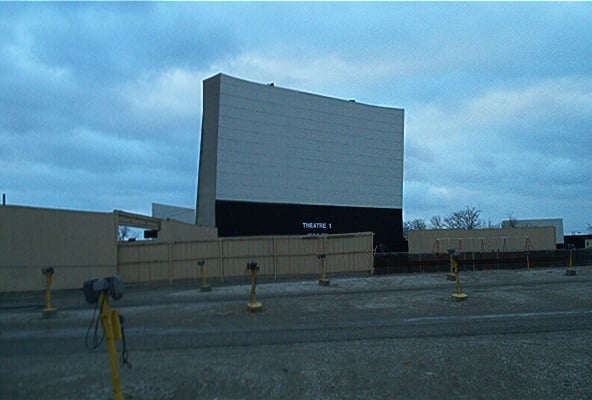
(521, 335)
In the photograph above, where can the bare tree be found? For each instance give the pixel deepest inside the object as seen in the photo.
(491, 225)
(417, 224)
(413, 225)
(436, 222)
(125, 233)
(512, 221)
(469, 218)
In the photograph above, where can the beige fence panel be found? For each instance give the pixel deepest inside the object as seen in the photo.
(298, 256)
(210, 252)
(29, 278)
(186, 255)
(276, 256)
(143, 261)
(362, 261)
(237, 252)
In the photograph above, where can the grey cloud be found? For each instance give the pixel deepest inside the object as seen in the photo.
(495, 94)
(108, 41)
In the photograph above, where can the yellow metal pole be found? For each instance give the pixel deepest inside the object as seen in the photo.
(48, 292)
(570, 271)
(254, 286)
(451, 276)
(459, 295)
(323, 281)
(455, 266)
(253, 305)
(48, 311)
(204, 286)
(110, 337)
(451, 262)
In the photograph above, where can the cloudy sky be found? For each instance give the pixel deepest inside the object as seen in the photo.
(100, 104)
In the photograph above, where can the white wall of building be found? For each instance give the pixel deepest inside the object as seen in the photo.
(283, 146)
(165, 211)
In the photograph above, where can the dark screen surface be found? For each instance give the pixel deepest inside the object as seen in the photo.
(239, 218)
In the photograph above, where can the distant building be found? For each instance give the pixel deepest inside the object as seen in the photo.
(583, 241)
(275, 161)
(182, 214)
(557, 223)
(482, 240)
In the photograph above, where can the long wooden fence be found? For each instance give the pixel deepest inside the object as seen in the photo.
(388, 263)
(277, 256)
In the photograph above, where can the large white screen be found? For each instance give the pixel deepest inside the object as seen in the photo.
(283, 146)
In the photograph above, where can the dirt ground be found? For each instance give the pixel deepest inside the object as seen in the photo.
(520, 335)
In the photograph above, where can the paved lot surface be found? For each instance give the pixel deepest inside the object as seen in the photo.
(520, 335)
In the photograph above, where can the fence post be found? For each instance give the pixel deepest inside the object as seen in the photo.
(453, 261)
(170, 263)
(274, 258)
(353, 253)
(570, 271)
(221, 259)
